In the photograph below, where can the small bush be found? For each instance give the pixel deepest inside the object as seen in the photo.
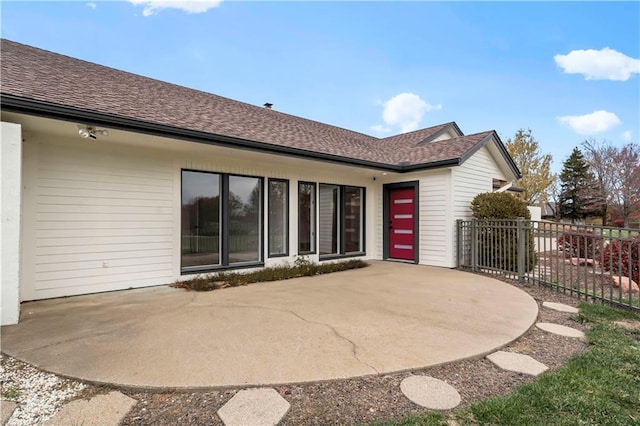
(498, 241)
(619, 223)
(621, 257)
(581, 243)
(302, 268)
(498, 205)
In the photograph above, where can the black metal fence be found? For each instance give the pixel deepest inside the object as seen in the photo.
(594, 263)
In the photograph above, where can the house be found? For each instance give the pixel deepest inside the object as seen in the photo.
(112, 181)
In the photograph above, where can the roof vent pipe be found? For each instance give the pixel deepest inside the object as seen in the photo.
(267, 105)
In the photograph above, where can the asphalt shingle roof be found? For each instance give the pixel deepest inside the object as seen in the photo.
(37, 75)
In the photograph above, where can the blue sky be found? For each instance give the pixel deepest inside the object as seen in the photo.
(566, 70)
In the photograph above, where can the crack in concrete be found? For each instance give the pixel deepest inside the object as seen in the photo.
(354, 347)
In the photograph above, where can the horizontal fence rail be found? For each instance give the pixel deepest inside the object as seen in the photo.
(593, 263)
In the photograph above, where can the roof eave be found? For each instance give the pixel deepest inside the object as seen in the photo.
(67, 113)
(501, 148)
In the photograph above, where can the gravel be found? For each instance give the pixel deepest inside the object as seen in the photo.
(362, 400)
(39, 395)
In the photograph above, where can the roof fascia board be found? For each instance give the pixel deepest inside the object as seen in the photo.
(456, 128)
(503, 150)
(447, 128)
(47, 110)
(67, 113)
(493, 136)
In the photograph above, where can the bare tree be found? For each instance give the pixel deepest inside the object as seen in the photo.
(601, 157)
(553, 196)
(627, 182)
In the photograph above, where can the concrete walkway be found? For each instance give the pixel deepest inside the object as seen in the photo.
(384, 318)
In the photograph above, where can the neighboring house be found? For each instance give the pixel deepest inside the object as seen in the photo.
(548, 210)
(113, 181)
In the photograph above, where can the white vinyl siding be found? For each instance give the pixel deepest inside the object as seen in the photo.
(434, 224)
(102, 216)
(435, 227)
(473, 177)
(97, 220)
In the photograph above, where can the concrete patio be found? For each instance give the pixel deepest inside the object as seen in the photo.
(384, 318)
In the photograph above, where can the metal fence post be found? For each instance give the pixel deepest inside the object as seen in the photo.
(458, 242)
(521, 240)
(474, 244)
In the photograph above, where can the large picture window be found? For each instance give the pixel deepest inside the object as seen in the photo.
(201, 230)
(245, 219)
(221, 220)
(306, 218)
(329, 216)
(278, 217)
(341, 220)
(353, 219)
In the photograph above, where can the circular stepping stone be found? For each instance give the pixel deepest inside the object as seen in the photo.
(561, 307)
(430, 392)
(560, 330)
(255, 407)
(517, 362)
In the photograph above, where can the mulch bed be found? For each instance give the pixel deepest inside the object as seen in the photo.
(377, 398)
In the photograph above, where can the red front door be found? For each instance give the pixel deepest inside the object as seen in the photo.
(401, 226)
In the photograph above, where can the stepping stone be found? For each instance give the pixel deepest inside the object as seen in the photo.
(560, 330)
(6, 410)
(430, 392)
(561, 307)
(517, 362)
(101, 410)
(256, 407)
(629, 325)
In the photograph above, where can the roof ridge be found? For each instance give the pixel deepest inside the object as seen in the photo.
(418, 130)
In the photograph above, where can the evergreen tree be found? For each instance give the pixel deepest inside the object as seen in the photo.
(575, 180)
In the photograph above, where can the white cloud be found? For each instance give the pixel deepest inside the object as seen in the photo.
(626, 136)
(404, 110)
(379, 128)
(189, 6)
(605, 64)
(589, 124)
(92, 5)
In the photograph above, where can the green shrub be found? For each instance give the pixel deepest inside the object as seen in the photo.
(498, 239)
(498, 205)
(302, 268)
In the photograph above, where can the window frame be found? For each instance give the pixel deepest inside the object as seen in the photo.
(341, 231)
(314, 219)
(288, 218)
(224, 229)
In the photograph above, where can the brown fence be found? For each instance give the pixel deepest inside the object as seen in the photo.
(593, 263)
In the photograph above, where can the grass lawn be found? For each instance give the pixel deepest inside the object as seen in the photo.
(600, 386)
(622, 233)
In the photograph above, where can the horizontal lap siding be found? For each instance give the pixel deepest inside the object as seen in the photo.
(434, 208)
(434, 211)
(473, 177)
(100, 218)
